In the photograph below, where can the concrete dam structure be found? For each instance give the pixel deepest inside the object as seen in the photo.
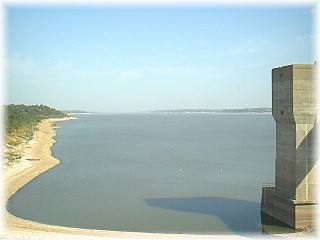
(292, 200)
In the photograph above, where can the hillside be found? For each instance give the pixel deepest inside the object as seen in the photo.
(20, 123)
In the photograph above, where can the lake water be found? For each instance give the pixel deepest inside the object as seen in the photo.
(190, 173)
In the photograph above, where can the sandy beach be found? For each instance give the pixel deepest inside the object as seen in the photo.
(36, 160)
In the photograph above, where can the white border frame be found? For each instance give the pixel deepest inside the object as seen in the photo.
(4, 3)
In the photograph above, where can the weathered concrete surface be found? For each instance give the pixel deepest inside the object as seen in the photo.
(293, 199)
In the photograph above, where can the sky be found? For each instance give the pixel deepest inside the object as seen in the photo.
(140, 58)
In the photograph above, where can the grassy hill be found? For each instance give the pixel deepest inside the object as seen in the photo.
(20, 123)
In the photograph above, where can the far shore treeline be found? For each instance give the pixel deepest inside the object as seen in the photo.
(20, 123)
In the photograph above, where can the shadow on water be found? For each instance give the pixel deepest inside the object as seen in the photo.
(239, 216)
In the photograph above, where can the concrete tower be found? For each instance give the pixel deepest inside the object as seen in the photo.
(293, 198)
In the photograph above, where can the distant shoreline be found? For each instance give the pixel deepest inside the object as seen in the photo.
(213, 113)
(262, 110)
(167, 112)
(222, 110)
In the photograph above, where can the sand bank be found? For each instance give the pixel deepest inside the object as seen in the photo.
(15, 177)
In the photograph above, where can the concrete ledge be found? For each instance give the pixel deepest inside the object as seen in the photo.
(298, 215)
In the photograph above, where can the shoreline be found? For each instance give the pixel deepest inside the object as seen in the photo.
(17, 176)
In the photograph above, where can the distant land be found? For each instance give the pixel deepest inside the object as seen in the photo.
(191, 110)
(225, 110)
(75, 111)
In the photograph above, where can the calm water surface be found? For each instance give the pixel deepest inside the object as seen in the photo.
(199, 173)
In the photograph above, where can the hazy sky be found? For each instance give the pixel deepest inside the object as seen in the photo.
(128, 59)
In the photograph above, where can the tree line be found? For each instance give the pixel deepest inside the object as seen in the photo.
(18, 116)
